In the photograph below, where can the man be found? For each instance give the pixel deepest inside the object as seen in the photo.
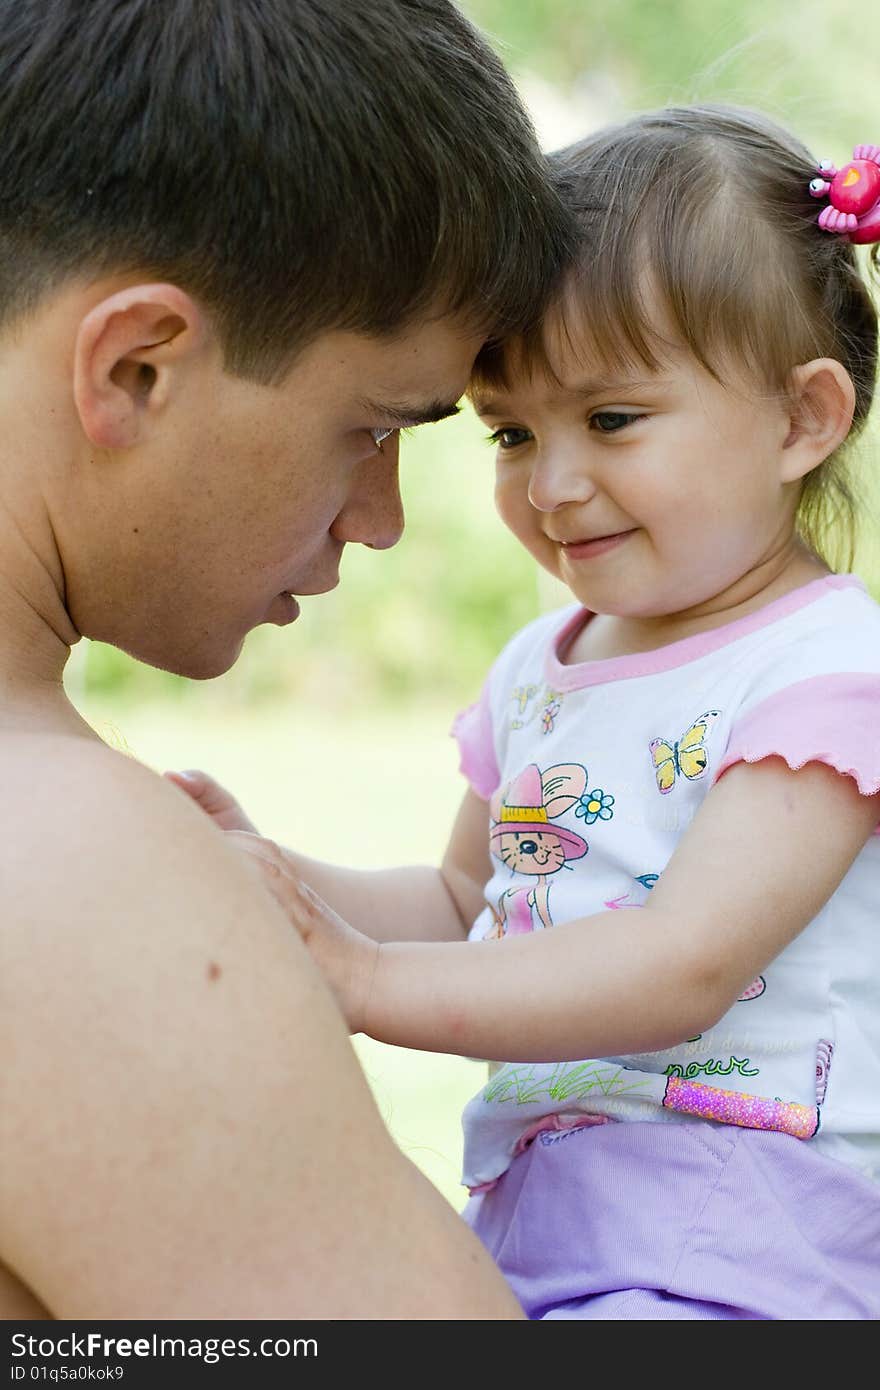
(242, 243)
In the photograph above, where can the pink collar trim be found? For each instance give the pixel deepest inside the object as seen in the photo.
(680, 653)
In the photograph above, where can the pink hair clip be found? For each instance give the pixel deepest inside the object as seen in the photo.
(853, 194)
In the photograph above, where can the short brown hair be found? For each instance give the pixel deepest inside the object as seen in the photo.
(299, 165)
(712, 204)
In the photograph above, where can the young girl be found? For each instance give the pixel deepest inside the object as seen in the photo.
(666, 861)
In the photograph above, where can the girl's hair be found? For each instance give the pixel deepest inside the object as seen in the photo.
(710, 207)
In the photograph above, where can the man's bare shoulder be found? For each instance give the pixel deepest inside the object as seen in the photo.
(149, 982)
(96, 847)
(49, 775)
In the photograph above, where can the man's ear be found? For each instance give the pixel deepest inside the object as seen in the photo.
(128, 348)
(823, 399)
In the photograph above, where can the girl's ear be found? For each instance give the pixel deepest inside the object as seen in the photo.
(823, 401)
(562, 785)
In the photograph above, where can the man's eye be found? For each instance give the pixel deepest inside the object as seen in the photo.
(381, 434)
(508, 438)
(612, 421)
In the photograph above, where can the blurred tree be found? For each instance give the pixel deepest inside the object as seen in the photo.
(809, 62)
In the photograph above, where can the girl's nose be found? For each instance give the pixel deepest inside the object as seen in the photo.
(560, 476)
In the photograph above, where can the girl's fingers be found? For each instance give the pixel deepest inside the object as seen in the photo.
(270, 855)
(213, 798)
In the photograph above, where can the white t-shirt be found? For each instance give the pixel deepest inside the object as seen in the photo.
(593, 771)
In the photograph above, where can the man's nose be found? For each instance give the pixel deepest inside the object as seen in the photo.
(560, 475)
(373, 511)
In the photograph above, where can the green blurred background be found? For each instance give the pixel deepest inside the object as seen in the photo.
(334, 733)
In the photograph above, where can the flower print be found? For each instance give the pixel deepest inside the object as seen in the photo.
(548, 715)
(595, 805)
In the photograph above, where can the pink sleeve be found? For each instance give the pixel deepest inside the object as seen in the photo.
(826, 719)
(472, 729)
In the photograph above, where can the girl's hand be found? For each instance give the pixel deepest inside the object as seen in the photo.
(214, 800)
(346, 958)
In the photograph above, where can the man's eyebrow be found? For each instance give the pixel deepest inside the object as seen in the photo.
(402, 414)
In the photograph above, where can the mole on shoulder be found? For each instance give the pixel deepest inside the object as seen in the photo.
(213, 972)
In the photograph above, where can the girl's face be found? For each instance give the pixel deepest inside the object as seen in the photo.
(647, 494)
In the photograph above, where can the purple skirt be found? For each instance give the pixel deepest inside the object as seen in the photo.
(695, 1220)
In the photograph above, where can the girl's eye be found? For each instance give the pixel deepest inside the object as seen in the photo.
(612, 421)
(508, 438)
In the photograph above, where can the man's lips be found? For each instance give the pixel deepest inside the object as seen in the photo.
(282, 610)
(586, 548)
(310, 589)
(284, 607)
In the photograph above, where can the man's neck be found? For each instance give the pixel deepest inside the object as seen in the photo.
(36, 635)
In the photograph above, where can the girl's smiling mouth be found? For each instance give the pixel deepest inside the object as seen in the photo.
(587, 549)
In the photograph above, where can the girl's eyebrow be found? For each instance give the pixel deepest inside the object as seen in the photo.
(405, 416)
(586, 390)
(612, 384)
(483, 406)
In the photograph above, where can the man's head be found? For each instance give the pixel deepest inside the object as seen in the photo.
(249, 233)
(295, 165)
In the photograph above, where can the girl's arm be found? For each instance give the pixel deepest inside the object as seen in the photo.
(411, 903)
(764, 853)
(414, 903)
